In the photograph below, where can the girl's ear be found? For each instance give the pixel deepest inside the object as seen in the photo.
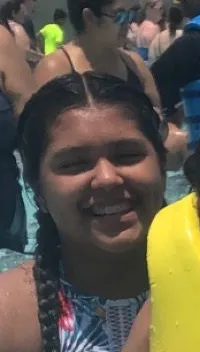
(89, 18)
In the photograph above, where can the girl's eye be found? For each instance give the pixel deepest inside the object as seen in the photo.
(75, 167)
(129, 158)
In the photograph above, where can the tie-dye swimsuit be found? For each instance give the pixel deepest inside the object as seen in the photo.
(94, 324)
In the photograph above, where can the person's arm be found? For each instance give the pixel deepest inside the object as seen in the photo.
(21, 37)
(40, 42)
(23, 42)
(138, 340)
(146, 78)
(18, 81)
(59, 38)
(176, 67)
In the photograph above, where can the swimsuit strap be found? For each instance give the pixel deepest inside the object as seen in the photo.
(133, 80)
(65, 52)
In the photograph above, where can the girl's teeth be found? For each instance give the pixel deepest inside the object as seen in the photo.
(111, 209)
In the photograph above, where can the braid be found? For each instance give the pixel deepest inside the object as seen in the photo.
(46, 274)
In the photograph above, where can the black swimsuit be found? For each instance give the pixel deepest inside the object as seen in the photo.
(133, 80)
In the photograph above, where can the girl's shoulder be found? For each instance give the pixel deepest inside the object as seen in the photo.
(19, 326)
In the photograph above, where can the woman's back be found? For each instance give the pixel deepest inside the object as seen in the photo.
(164, 39)
(146, 33)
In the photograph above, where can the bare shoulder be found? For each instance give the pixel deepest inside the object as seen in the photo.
(138, 62)
(21, 37)
(19, 327)
(5, 35)
(145, 76)
(134, 56)
(51, 66)
(129, 58)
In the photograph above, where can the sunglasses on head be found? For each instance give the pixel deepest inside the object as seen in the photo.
(122, 16)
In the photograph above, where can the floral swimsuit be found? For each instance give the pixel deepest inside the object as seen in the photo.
(95, 324)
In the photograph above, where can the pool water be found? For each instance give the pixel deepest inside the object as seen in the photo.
(176, 186)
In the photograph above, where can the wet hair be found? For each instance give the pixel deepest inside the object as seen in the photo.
(175, 19)
(61, 94)
(6, 12)
(76, 7)
(58, 15)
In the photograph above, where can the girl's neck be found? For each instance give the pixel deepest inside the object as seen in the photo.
(113, 276)
(95, 51)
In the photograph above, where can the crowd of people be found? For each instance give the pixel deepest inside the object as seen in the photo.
(97, 122)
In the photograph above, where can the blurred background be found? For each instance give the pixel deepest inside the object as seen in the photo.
(45, 9)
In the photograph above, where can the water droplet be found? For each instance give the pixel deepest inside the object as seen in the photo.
(177, 324)
(153, 285)
(152, 300)
(171, 272)
(152, 328)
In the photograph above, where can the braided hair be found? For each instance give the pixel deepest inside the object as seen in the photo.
(61, 94)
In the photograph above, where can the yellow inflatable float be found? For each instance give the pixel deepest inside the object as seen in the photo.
(174, 271)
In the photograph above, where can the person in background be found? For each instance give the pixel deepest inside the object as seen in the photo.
(177, 76)
(150, 26)
(52, 36)
(179, 65)
(11, 15)
(93, 155)
(101, 28)
(27, 23)
(16, 87)
(131, 37)
(132, 30)
(16, 78)
(164, 39)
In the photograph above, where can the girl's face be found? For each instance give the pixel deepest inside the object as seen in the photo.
(100, 179)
